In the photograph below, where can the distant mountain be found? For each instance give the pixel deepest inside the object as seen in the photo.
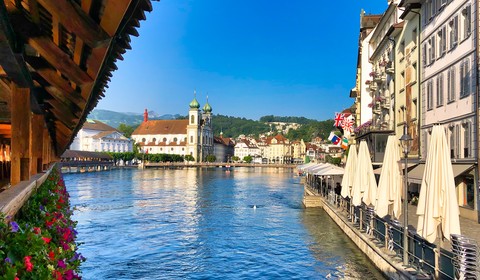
(114, 119)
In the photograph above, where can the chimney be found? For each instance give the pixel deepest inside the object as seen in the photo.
(145, 116)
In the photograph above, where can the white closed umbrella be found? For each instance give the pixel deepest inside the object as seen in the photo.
(349, 175)
(437, 204)
(364, 186)
(390, 185)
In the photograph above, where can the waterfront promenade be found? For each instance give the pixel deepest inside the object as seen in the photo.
(381, 240)
(214, 164)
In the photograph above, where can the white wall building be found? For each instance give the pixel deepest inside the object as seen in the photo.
(96, 136)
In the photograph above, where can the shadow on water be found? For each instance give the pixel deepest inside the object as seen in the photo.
(331, 246)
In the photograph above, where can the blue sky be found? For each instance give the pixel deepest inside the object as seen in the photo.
(252, 58)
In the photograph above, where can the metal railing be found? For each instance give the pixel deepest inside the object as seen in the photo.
(429, 261)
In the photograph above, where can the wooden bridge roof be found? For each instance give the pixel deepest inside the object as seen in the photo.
(64, 51)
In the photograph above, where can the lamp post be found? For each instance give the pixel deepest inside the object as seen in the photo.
(406, 142)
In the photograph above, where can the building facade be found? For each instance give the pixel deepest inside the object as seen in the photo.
(96, 136)
(193, 136)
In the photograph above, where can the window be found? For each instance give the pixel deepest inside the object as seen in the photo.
(414, 38)
(466, 140)
(431, 50)
(457, 141)
(191, 139)
(154, 140)
(165, 139)
(451, 84)
(175, 139)
(453, 27)
(424, 54)
(143, 140)
(442, 4)
(440, 90)
(430, 95)
(428, 11)
(442, 41)
(192, 119)
(464, 78)
(401, 50)
(452, 142)
(433, 6)
(467, 21)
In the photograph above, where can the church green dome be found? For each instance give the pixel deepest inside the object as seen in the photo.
(207, 108)
(194, 104)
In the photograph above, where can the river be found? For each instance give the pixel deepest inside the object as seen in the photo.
(207, 224)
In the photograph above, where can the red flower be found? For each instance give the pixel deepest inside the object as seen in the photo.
(51, 255)
(46, 239)
(37, 230)
(28, 263)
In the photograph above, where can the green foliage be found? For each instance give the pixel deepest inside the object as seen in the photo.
(189, 158)
(211, 158)
(126, 130)
(235, 158)
(164, 158)
(125, 156)
(40, 243)
(299, 120)
(333, 160)
(311, 130)
(248, 159)
(233, 126)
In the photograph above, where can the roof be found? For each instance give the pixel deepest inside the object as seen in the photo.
(223, 140)
(64, 52)
(162, 127)
(97, 125)
(104, 134)
(85, 154)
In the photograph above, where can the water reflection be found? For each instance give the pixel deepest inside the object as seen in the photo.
(206, 224)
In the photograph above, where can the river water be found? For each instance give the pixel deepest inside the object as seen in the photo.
(207, 224)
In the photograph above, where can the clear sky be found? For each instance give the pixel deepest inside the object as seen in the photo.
(251, 57)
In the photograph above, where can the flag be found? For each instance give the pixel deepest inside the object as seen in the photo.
(347, 124)
(338, 119)
(344, 143)
(334, 138)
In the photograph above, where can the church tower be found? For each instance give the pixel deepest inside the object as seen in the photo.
(207, 131)
(193, 129)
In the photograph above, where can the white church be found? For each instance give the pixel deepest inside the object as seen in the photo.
(193, 136)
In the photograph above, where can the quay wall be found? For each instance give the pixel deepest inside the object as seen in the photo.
(391, 268)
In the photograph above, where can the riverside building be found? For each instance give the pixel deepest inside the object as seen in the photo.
(193, 136)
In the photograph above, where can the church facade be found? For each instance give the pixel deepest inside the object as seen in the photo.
(193, 136)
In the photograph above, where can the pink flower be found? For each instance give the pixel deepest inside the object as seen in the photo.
(46, 239)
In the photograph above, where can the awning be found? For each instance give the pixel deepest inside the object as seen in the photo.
(416, 174)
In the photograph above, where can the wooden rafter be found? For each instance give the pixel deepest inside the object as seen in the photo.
(62, 85)
(73, 18)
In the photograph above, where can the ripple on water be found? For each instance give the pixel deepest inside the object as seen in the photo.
(202, 224)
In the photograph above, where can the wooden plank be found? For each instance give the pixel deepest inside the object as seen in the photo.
(34, 13)
(36, 143)
(21, 116)
(62, 114)
(111, 20)
(75, 20)
(59, 60)
(62, 85)
(10, 58)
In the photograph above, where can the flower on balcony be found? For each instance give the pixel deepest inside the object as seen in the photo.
(367, 82)
(370, 105)
(383, 63)
(373, 74)
(363, 126)
(380, 98)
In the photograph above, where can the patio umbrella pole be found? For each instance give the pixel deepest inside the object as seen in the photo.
(405, 215)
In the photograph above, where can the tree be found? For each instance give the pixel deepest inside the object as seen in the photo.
(189, 158)
(333, 160)
(126, 130)
(248, 159)
(235, 158)
(211, 158)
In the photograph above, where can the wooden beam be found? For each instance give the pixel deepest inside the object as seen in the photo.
(62, 114)
(60, 60)
(33, 5)
(111, 20)
(36, 143)
(75, 20)
(11, 59)
(21, 115)
(62, 85)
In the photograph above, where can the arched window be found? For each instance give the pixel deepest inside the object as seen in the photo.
(154, 140)
(164, 139)
(143, 140)
(175, 139)
(192, 119)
